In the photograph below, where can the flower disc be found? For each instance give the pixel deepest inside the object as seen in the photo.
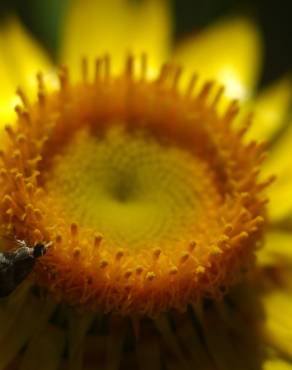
(149, 195)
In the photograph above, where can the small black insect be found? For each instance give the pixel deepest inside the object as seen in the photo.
(16, 265)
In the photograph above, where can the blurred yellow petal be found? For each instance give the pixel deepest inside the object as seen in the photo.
(280, 192)
(278, 323)
(20, 59)
(229, 51)
(276, 298)
(7, 92)
(117, 27)
(277, 249)
(277, 364)
(271, 109)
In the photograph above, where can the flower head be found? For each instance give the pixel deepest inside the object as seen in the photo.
(148, 186)
(151, 198)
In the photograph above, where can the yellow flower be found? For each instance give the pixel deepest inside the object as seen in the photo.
(152, 192)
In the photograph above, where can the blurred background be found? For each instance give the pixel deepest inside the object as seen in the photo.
(44, 18)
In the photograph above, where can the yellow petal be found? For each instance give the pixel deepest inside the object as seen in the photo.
(20, 60)
(279, 163)
(229, 51)
(276, 299)
(8, 100)
(277, 249)
(277, 364)
(278, 324)
(271, 109)
(117, 27)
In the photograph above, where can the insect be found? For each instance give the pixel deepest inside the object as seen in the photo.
(15, 265)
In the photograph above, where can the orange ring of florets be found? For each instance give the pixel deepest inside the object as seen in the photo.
(117, 281)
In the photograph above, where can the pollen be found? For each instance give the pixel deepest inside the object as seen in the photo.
(149, 195)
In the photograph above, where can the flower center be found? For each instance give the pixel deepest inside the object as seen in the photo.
(133, 189)
(150, 197)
